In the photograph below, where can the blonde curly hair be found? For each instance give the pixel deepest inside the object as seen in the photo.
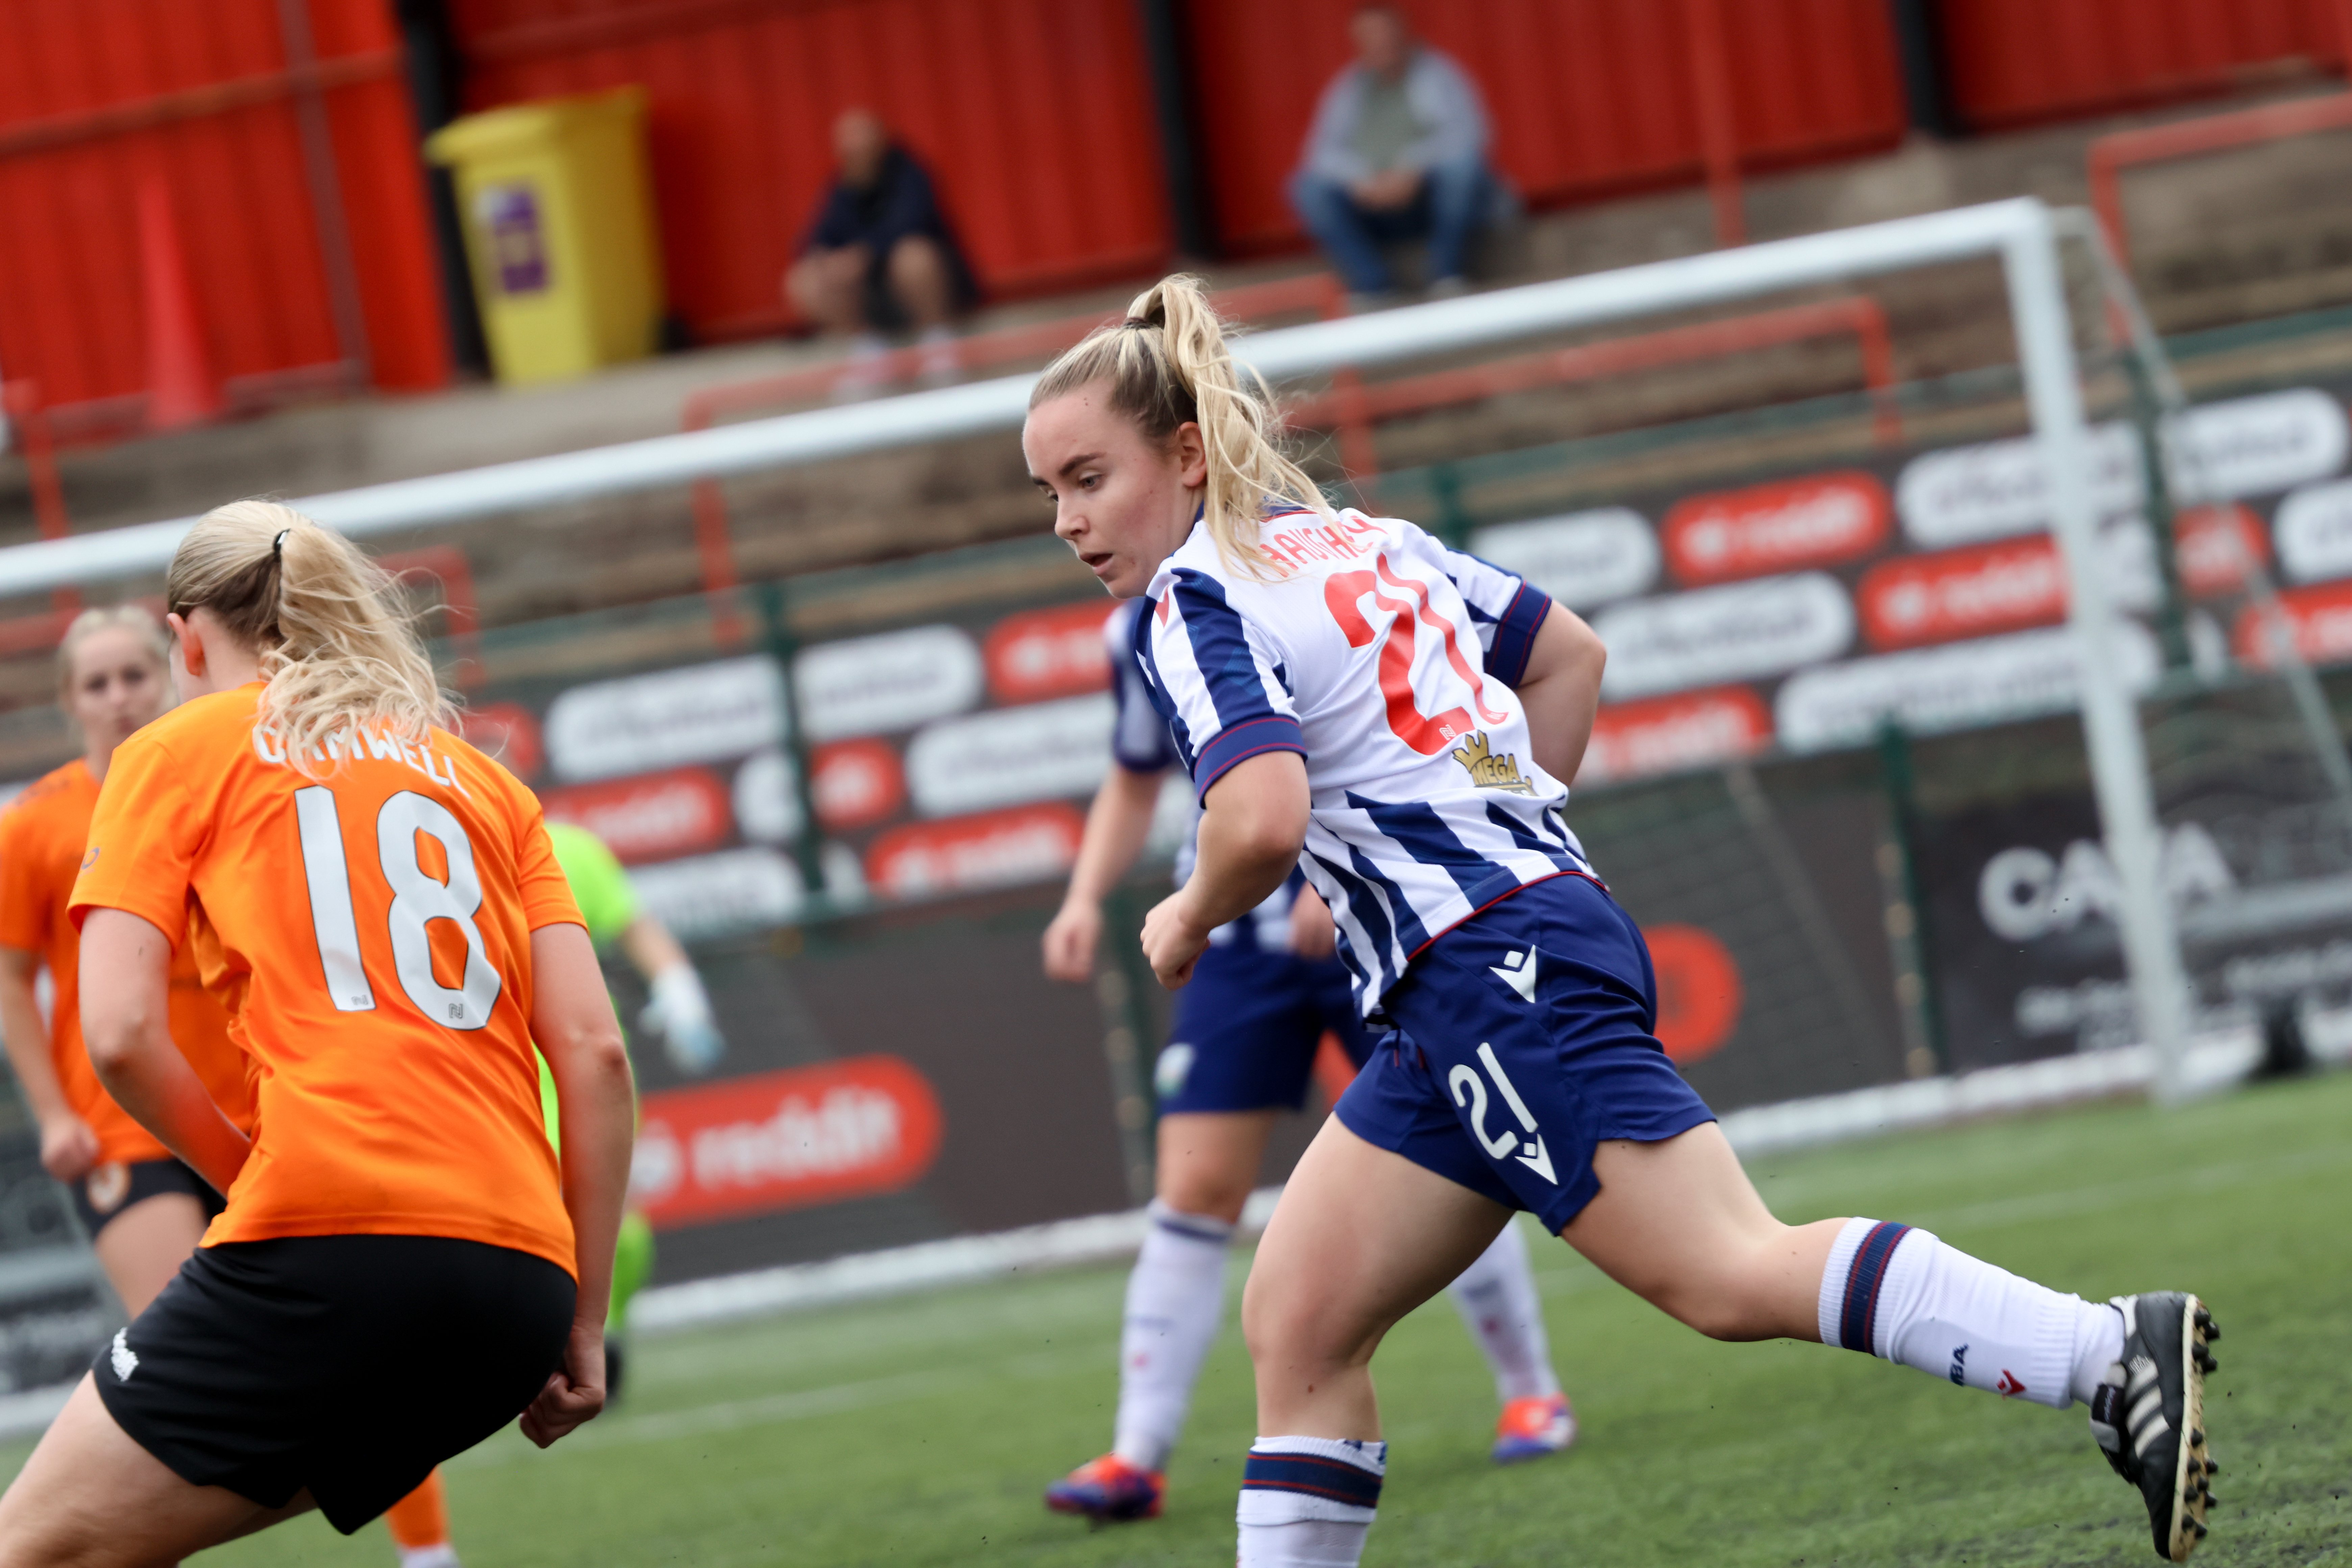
(336, 644)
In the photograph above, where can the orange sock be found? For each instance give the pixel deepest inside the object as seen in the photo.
(421, 1518)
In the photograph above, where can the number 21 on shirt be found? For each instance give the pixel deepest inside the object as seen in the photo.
(1428, 734)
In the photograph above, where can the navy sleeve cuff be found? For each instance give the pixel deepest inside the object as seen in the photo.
(1250, 738)
(1515, 635)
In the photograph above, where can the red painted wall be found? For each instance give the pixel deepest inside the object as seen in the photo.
(1034, 117)
(2018, 61)
(75, 148)
(1587, 97)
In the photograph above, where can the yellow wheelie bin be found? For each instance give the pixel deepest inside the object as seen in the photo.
(558, 220)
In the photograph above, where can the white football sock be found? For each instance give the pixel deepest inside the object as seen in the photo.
(1901, 1294)
(1175, 1301)
(441, 1556)
(1309, 1502)
(1496, 1297)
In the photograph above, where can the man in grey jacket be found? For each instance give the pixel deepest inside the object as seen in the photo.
(1398, 151)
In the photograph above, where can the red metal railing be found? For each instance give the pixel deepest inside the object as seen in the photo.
(447, 564)
(1353, 409)
(2111, 155)
(29, 423)
(1320, 292)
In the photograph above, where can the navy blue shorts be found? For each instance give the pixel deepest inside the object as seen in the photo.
(1505, 1079)
(1247, 1027)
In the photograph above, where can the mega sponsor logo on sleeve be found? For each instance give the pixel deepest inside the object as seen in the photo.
(992, 849)
(717, 895)
(1041, 653)
(2318, 619)
(1742, 631)
(699, 714)
(784, 1139)
(1819, 520)
(1663, 734)
(895, 680)
(2013, 676)
(2314, 532)
(1011, 755)
(657, 816)
(1967, 494)
(1581, 558)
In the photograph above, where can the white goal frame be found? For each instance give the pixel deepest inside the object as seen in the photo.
(2023, 234)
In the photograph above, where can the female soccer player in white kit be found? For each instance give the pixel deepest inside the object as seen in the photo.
(1240, 1052)
(1396, 718)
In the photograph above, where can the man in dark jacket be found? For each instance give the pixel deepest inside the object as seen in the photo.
(880, 257)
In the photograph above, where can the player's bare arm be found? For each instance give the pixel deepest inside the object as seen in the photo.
(573, 1022)
(69, 1148)
(126, 1024)
(1117, 825)
(1561, 690)
(1253, 825)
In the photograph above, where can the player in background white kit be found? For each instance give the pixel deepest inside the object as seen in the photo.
(1346, 689)
(1241, 1051)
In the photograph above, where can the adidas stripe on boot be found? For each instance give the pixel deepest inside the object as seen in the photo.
(2149, 1416)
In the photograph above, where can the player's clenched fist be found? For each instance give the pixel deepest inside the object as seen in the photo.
(1172, 940)
(1070, 942)
(573, 1395)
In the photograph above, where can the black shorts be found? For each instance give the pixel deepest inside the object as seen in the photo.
(110, 1190)
(348, 1365)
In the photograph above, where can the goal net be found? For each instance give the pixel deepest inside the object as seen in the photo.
(1957, 731)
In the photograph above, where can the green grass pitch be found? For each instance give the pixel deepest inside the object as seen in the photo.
(920, 1431)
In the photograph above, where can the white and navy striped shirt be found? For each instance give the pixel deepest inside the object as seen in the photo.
(1386, 660)
(1139, 743)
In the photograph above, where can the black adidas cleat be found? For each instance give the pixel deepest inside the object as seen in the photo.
(2149, 1417)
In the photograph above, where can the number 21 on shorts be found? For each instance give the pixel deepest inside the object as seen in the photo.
(418, 900)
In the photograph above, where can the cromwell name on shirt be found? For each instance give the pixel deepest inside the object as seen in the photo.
(358, 741)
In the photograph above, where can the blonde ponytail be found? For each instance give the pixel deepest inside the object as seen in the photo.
(1168, 365)
(334, 642)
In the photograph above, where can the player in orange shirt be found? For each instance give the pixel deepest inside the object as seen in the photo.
(143, 1210)
(404, 1264)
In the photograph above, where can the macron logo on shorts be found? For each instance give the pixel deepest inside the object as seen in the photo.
(1517, 970)
(125, 1358)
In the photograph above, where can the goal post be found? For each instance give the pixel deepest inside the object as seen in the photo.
(2111, 730)
(2023, 236)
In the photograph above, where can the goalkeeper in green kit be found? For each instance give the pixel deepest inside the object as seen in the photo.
(679, 1012)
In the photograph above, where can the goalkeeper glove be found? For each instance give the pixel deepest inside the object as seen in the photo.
(680, 1013)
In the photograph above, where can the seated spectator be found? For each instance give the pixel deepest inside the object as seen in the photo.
(880, 258)
(1398, 151)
